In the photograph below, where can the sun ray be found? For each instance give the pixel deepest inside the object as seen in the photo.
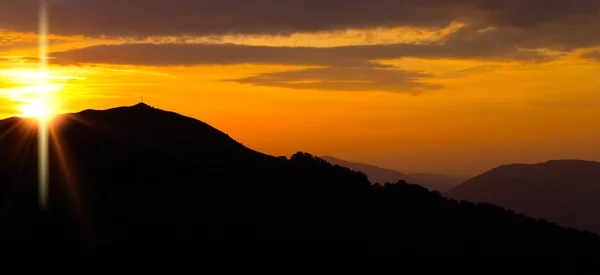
(74, 118)
(66, 173)
(11, 129)
(43, 119)
(61, 155)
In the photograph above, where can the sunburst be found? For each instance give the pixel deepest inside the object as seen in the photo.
(41, 106)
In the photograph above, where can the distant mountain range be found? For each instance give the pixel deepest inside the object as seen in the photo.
(441, 183)
(141, 188)
(563, 191)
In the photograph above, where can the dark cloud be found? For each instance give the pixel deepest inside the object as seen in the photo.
(560, 25)
(12, 41)
(592, 55)
(349, 68)
(470, 71)
(342, 68)
(345, 79)
(206, 17)
(496, 30)
(210, 17)
(31, 60)
(345, 56)
(528, 13)
(7, 44)
(564, 38)
(206, 54)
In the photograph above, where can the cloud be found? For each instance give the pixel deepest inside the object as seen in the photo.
(10, 41)
(345, 79)
(470, 71)
(225, 54)
(19, 59)
(497, 30)
(12, 62)
(528, 13)
(349, 68)
(28, 61)
(592, 55)
(560, 25)
(210, 17)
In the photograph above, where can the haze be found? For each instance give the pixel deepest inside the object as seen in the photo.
(452, 87)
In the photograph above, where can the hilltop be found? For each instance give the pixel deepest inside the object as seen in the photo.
(136, 186)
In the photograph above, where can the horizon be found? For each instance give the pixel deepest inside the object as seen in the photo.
(460, 131)
(467, 176)
(453, 88)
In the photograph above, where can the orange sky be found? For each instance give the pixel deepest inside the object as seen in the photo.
(450, 114)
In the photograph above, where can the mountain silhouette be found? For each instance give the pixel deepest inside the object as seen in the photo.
(561, 191)
(141, 188)
(375, 174)
(441, 183)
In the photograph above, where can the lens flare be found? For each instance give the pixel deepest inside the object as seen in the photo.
(42, 106)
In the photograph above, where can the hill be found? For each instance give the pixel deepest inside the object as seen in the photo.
(141, 188)
(561, 191)
(374, 173)
(441, 183)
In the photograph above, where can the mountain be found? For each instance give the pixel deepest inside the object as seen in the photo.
(376, 174)
(561, 191)
(442, 183)
(138, 188)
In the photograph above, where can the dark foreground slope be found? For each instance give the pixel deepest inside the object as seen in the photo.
(562, 191)
(142, 188)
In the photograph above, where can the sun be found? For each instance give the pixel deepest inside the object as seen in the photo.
(39, 102)
(37, 97)
(36, 110)
(36, 94)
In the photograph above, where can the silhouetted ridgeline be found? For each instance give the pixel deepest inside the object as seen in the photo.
(144, 187)
(563, 191)
(441, 183)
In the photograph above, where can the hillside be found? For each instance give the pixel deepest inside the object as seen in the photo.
(441, 183)
(562, 191)
(139, 187)
(375, 174)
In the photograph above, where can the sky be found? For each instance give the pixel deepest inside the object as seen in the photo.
(437, 86)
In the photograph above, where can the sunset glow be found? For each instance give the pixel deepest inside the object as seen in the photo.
(34, 95)
(406, 90)
(464, 132)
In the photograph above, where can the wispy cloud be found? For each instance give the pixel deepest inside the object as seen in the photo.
(471, 71)
(345, 79)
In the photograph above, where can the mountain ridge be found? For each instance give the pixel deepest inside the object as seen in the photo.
(441, 183)
(134, 184)
(561, 191)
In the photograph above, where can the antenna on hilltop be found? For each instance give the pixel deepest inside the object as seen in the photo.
(142, 99)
